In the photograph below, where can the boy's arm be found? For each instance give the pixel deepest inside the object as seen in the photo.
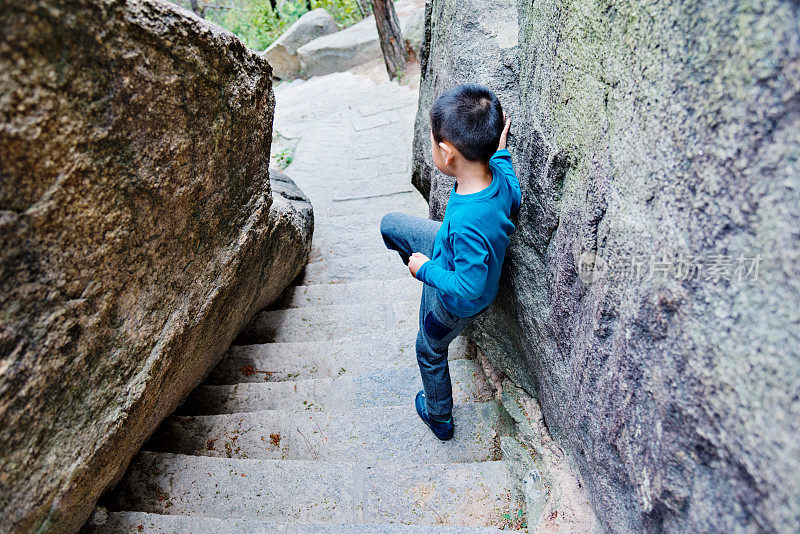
(502, 158)
(470, 261)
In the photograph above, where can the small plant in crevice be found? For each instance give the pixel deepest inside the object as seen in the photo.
(284, 158)
(514, 520)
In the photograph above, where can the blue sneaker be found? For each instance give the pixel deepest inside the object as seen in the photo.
(443, 431)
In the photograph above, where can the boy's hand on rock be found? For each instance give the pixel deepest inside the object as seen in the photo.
(504, 135)
(415, 261)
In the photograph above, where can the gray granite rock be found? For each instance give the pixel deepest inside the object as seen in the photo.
(340, 51)
(414, 30)
(139, 233)
(356, 44)
(656, 133)
(282, 54)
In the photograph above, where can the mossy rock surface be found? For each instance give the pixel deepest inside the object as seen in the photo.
(649, 135)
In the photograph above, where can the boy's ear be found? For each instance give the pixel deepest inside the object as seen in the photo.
(449, 152)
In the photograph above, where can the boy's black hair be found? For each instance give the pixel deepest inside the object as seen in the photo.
(471, 118)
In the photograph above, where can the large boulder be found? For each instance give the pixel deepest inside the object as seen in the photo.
(657, 146)
(353, 46)
(282, 54)
(340, 51)
(139, 233)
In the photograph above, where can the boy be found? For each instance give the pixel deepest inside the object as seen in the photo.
(459, 259)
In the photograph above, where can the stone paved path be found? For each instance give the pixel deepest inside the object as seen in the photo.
(308, 423)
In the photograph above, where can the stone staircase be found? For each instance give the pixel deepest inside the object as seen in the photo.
(308, 424)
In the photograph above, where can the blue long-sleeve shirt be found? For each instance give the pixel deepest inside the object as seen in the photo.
(470, 246)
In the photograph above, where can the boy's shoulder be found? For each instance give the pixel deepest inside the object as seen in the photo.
(472, 214)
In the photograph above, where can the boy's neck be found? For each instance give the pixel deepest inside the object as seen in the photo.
(472, 177)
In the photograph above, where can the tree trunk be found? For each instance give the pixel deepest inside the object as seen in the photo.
(394, 47)
(362, 8)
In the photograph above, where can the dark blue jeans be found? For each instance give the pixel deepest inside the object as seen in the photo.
(437, 326)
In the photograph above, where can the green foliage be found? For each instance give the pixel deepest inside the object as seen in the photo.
(254, 22)
(517, 522)
(284, 158)
(344, 12)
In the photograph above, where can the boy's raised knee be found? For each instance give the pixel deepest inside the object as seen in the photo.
(388, 222)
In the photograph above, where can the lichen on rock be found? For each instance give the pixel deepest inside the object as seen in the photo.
(649, 134)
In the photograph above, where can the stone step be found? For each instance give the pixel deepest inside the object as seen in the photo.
(321, 254)
(381, 387)
(328, 176)
(334, 269)
(355, 90)
(329, 245)
(457, 494)
(340, 236)
(392, 434)
(380, 163)
(329, 321)
(347, 236)
(147, 523)
(356, 185)
(407, 202)
(361, 189)
(359, 354)
(332, 89)
(357, 233)
(398, 99)
(369, 219)
(366, 225)
(405, 289)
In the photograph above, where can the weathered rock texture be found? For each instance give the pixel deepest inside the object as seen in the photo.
(350, 47)
(646, 129)
(138, 233)
(282, 54)
(414, 30)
